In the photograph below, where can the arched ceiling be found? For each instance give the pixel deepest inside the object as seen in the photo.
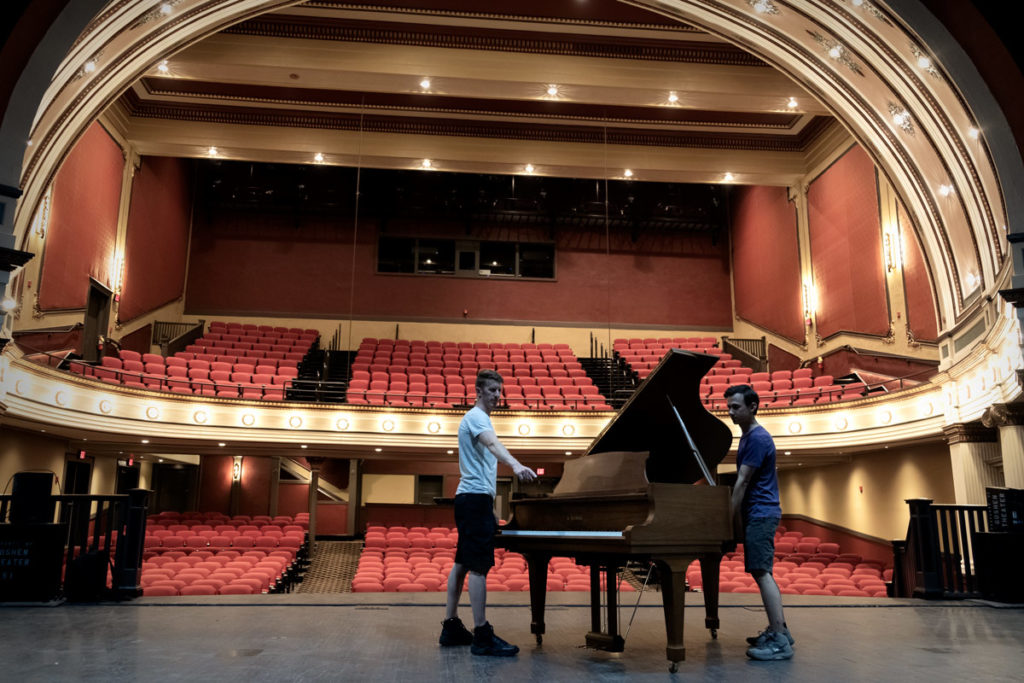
(283, 81)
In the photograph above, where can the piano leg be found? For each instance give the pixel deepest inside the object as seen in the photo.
(673, 595)
(709, 568)
(537, 566)
(610, 640)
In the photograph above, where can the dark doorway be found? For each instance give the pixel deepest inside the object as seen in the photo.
(127, 479)
(97, 317)
(175, 487)
(77, 474)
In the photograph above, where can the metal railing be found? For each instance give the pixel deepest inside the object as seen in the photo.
(102, 533)
(937, 559)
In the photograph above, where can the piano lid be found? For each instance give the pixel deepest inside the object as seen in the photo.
(647, 423)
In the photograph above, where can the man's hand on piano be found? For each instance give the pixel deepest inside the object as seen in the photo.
(523, 472)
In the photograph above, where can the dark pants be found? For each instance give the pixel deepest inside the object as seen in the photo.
(474, 518)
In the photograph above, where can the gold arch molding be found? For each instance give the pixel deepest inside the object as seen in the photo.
(857, 57)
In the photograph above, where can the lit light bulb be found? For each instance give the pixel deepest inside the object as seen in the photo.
(90, 66)
(162, 67)
(166, 8)
(426, 163)
(552, 90)
(212, 151)
(425, 84)
(973, 133)
(792, 104)
(529, 168)
(835, 53)
(728, 177)
(924, 62)
(318, 157)
(628, 173)
(673, 98)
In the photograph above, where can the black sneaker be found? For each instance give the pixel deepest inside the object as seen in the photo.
(489, 645)
(453, 632)
(759, 639)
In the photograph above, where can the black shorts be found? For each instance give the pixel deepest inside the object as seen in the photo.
(474, 518)
(759, 544)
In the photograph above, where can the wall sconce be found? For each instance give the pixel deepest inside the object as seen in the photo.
(236, 469)
(118, 276)
(893, 251)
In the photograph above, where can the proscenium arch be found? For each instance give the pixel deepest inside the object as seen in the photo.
(859, 60)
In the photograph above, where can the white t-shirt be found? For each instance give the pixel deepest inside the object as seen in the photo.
(478, 468)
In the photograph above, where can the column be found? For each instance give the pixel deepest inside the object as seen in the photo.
(973, 450)
(1009, 419)
(314, 485)
(355, 496)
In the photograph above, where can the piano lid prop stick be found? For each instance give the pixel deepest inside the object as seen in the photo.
(693, 447)
(650, 568)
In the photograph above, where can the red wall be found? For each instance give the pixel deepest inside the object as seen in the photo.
(661, 279)
(780, 359)
(83, 222)
(215, 483)
(848, 541)
(331, 517)
(766, 260)
(846, 248)
(921, 308)
(254, 486)
(139, 340)
(156, 242)
(843, 361)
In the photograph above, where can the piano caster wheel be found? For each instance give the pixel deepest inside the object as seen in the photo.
(714, 634)
(673, 667)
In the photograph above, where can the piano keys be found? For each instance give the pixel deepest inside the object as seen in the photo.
(634, 496)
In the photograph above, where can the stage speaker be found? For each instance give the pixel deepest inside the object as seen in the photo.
(31, 498)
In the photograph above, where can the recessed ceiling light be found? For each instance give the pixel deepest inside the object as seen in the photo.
(792, 104)
(945, 190)
(222, 444)
(425, 84)
(377, 450)
(212, 151)
(973, 133)
(529, 168)
(303, 446)
(450, 451)
(165, 8)
(628, 173)
(788, 453)
(145, 441)
(568, 452)
(924, 62)
(553, 90)
(728, 177)
(89, 67)
(162, 67)
(426, 163)
(673, 97)
(318, 157)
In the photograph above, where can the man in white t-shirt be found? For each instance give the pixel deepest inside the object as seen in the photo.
(479, 453)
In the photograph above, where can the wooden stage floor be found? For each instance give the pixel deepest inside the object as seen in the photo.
(393, 637)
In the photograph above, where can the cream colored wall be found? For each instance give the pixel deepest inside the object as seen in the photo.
(104, 475)
(145, 474)
(21, 451)
(888, 477)
(389, 488)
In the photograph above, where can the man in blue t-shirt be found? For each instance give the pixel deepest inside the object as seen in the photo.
(479, 453)
(756, 512)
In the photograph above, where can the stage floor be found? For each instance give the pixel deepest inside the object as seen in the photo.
(393, 637)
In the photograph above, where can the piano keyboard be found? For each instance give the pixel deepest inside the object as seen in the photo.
(534, 533)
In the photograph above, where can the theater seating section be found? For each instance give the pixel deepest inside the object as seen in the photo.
(804, 565)
(213, 554)
(779, 389)
(443, 375)
(230, 361)
(416, 559)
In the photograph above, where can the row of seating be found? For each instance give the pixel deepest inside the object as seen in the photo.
(227, 572)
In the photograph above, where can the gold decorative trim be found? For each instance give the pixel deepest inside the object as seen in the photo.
(837, 52)
(1004, 415)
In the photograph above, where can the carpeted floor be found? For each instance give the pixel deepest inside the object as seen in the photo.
(334, 565)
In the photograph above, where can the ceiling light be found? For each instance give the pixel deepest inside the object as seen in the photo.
(628, 173)
(795, 427)
(318, 158)
(433, 427)
(295, 421)
(728, 177)
(973, 133)
(946, 190)
(212, 151)
(568, 452)
(152, 412)
(199, 416)
(89, 67)
(553, 90)
(145, 441)
(162, 67)
(377, 450)
(568, 430)
(388, 425)
(787, 453)
(924, 62)
(341, 424)
(8, 304)
(529, 168)
(835, 52)
(792, 104)
(165, 8)
(303, 446)
(426, 163)
(673, 97)
(248, 419)
(450, 452)
(425, 84)
(524, 429)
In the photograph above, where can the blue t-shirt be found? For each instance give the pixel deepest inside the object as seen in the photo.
(757, 450)
(478, 468)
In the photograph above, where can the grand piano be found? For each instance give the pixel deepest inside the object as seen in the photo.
(643, 492)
